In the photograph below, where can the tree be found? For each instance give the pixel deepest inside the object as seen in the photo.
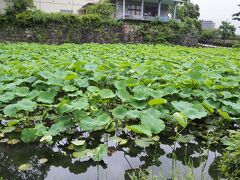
(227, 30)
(188, 10)
(18, 6)
(237, 16)
(102, 8)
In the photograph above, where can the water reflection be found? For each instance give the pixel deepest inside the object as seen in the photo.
(162, 158)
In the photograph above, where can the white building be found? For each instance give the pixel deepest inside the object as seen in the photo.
(148, 10)
(208, 24)
(65, 6)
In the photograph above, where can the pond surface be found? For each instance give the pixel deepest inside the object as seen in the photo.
(160, 159)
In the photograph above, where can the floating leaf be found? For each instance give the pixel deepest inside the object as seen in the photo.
(106, 93)
(89, 124)
(46, 138)
(77, 142)
(22, 91)
(185, 138)
(69, 88)
(119, 112)
(133, 114)
(10, 110)
(82, 82)
(46, 97)
(25, 167)
(140, 129)
(81, 103)
(7, 97)
(13, 141)
(82, 154)
(144, 142)
(118, 140)
(4, 140)
(27, 105)
(43, 160)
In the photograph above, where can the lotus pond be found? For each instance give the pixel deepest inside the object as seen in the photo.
(117, 111)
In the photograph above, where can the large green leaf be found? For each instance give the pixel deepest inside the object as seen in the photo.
(140, 129)
(181, 119)
(7, 97)
(81, 103)
(47, 96)
(22, 91)
(119, 112)
(124, 95)
(192, 111)
(145, 142)
(141, 92)
(10, 110)
(100, 152)
(150, 118)
(106, 93)
(101, 122)
(28, 135)
(27, 105)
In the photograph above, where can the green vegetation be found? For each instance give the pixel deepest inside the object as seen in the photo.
(188, 10)
(104, 9)
(18, 6)
(227, 30)
(47, 91)
(229, 163)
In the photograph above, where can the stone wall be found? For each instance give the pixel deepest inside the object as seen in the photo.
(58, 34)
(54, 33)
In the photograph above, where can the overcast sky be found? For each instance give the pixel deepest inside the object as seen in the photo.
(219, 10)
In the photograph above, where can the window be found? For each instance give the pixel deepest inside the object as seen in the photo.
(134, 9)
(66, 11)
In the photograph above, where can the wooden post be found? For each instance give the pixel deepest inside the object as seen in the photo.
(142, 9)
(124, 9)
(159, 8)
(175, 10)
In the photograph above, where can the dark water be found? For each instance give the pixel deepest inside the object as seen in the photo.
(160, 159)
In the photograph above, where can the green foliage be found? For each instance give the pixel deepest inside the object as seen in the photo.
(183, 32)
(227, 30)
(35, 17)
(103, 8)
(46, 91)
(236, 46)
(18, 6)
(208, 35)
(229, 163)
(188, 10)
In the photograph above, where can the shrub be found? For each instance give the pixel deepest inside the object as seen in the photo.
(209, 35)
(104, 9)
(236, 46)
(18, 6)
